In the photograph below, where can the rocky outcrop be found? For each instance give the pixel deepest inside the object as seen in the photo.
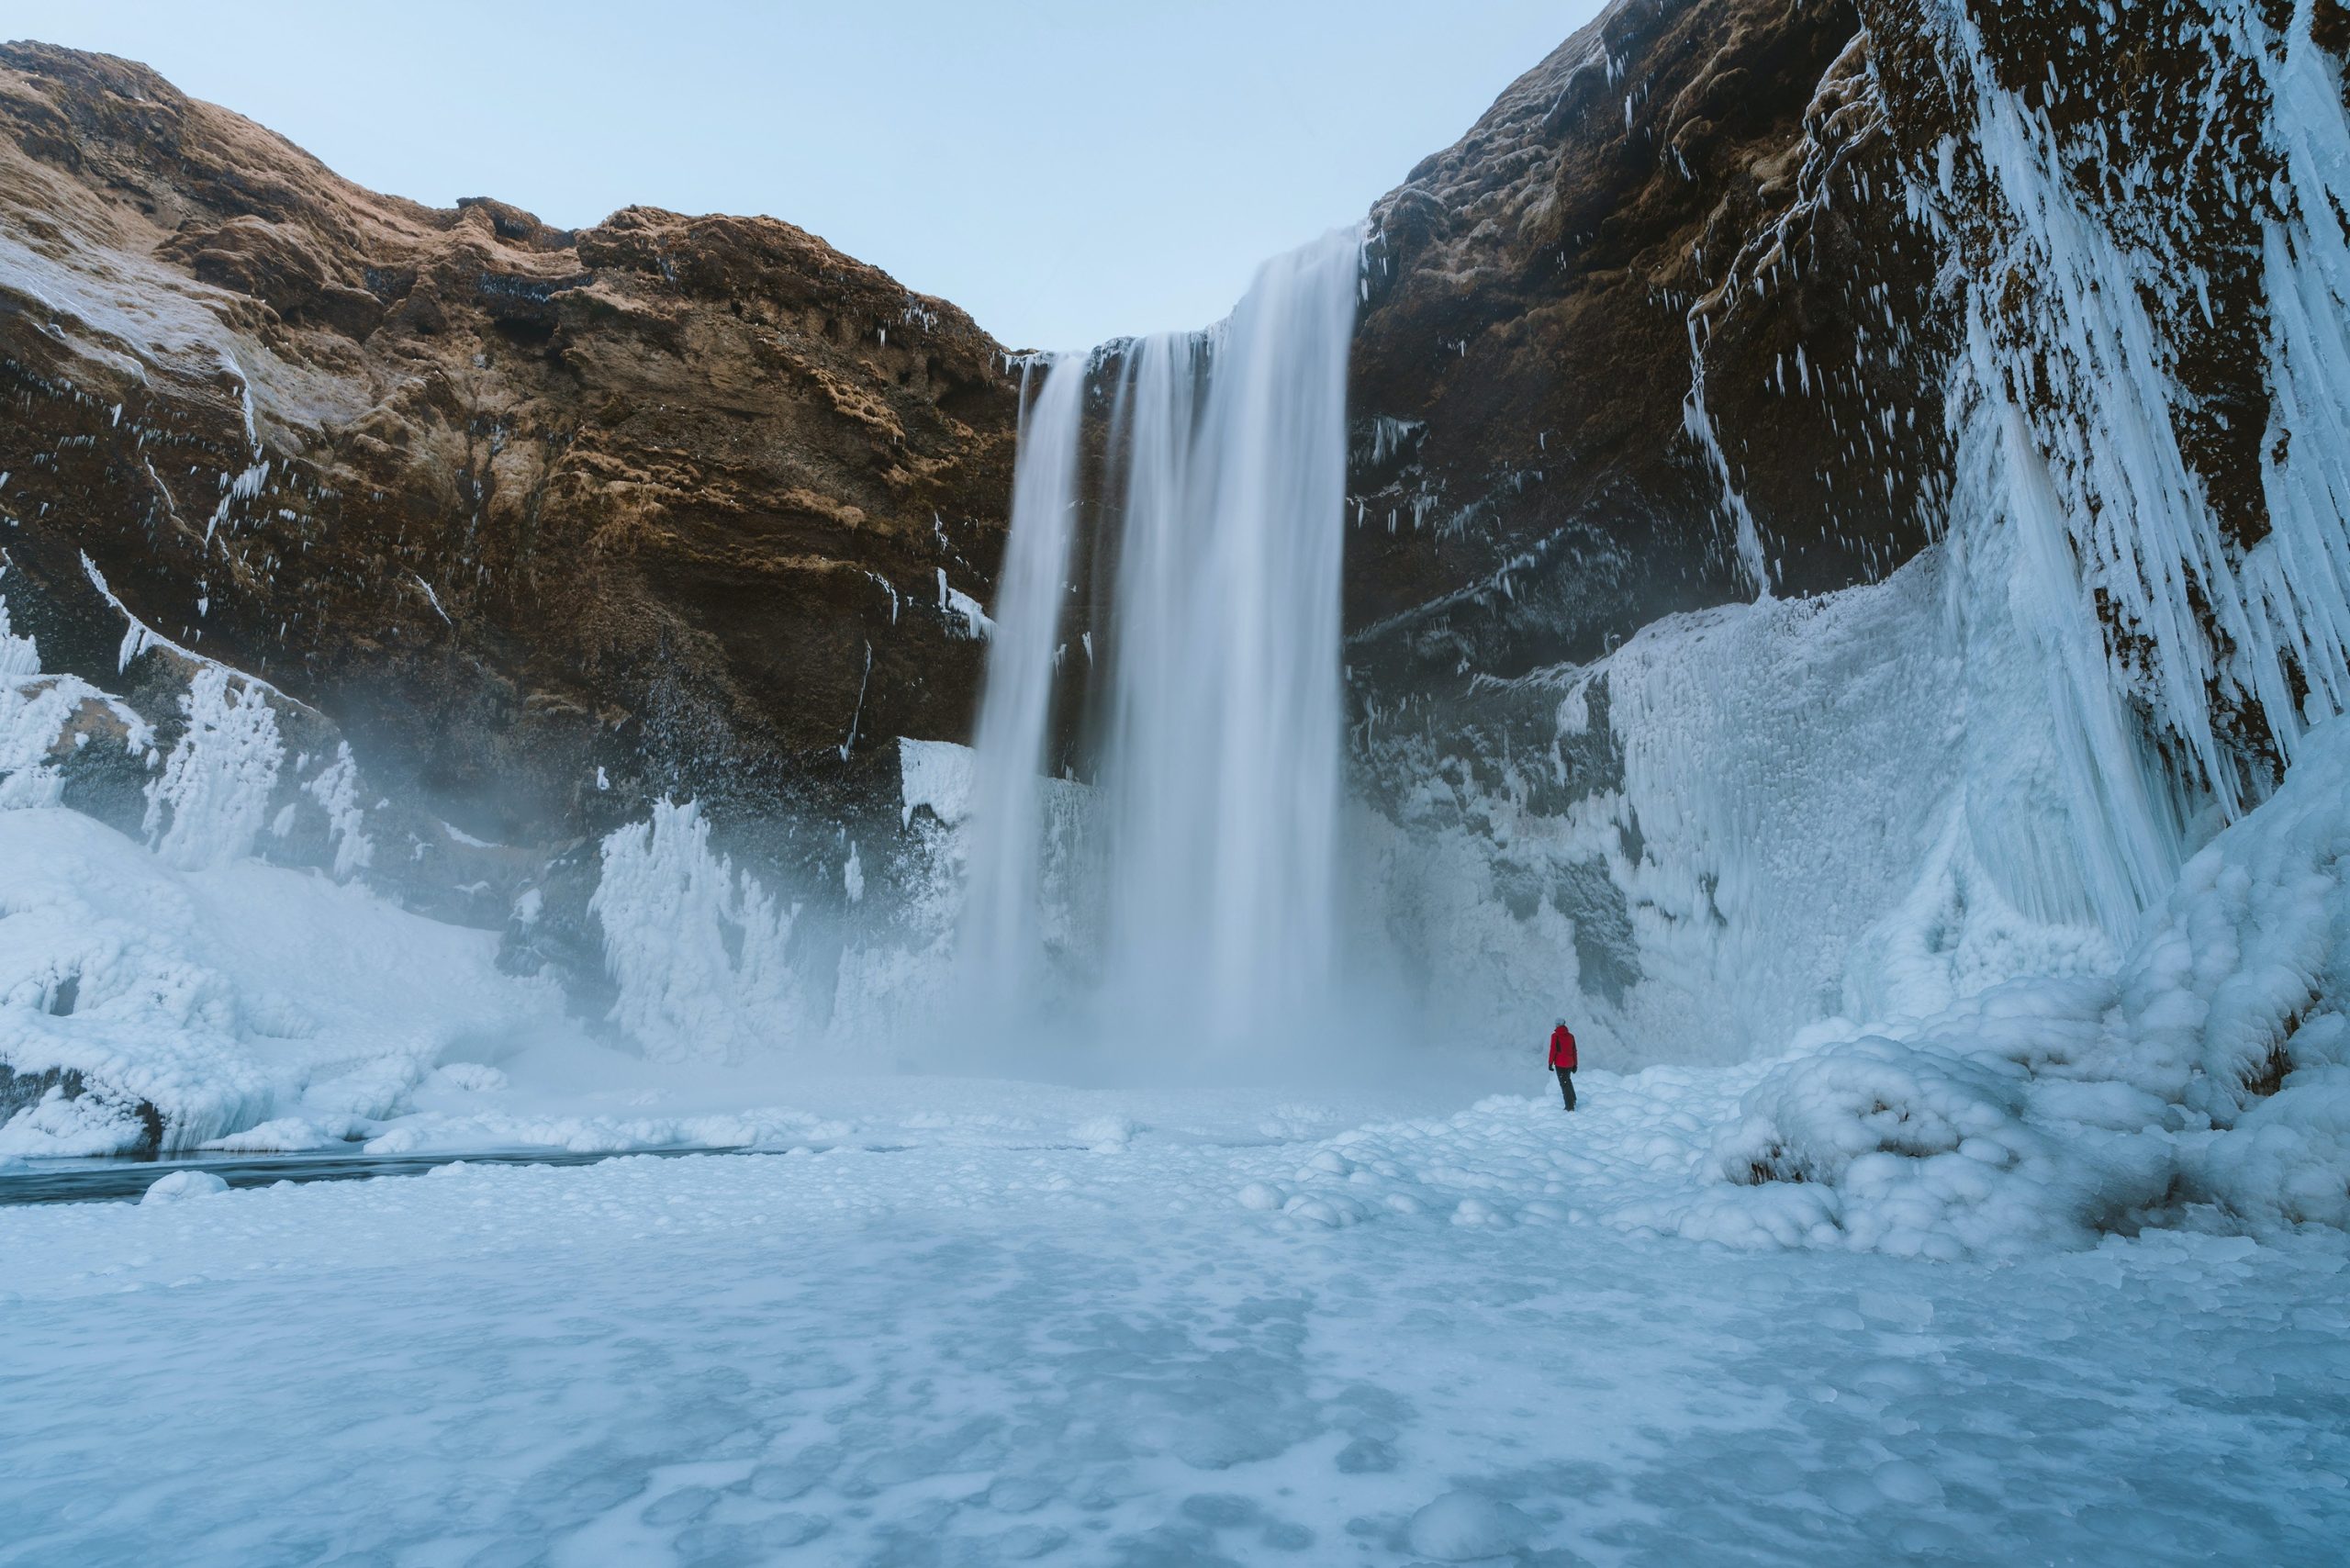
(1658, 333)
(545, 525)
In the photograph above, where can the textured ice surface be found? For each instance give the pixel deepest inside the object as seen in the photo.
(695, 947)
(2213, 1071)
(970, 1355)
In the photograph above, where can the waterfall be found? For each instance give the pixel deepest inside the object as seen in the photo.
(1223, 766)
(1003, 944)
(1222, 718)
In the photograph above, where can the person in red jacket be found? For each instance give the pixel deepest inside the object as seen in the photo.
(1562, 1060)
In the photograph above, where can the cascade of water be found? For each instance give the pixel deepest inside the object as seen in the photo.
(1220, 762)
(1223, 768)
(1002, 945)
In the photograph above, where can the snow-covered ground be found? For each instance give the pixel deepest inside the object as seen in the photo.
(962, 1353)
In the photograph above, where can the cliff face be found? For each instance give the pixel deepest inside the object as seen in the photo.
(547, 524)
(1656, 333)
(1682, 319)
(1744, 308)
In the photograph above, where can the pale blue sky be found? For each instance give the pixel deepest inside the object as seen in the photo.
(1065, 171)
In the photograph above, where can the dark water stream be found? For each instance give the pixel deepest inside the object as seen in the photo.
(99, 1181)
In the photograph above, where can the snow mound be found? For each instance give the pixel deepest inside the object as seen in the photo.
(1106, 1134)
(286, 1134)
(181, 1185)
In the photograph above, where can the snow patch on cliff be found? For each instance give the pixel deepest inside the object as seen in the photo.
(937, 775)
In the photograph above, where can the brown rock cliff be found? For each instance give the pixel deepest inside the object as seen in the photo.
(668, 498)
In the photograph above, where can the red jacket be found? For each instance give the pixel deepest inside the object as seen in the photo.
(1562, 1048)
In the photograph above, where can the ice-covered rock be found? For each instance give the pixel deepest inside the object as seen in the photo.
(181, 1185)
(171, 1006)
(2213, 1071)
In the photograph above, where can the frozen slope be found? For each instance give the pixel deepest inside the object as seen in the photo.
(221, 997)
(1754, 818)
(2210, 1077)
(947, 1355)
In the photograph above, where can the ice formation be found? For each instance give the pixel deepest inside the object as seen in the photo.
(150, 1005)
(212, 798)
(156, 996)
(2060, 333)
(696, 947)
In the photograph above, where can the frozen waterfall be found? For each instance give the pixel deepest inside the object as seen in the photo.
(1224, 469)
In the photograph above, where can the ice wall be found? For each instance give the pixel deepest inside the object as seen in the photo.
(1752, 819)
(2233, 635)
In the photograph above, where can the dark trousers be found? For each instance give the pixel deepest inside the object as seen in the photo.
(1566, 1085)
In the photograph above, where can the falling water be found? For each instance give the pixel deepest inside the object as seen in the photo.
(1002, 947)
(1220, 762)
(1223, 766)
